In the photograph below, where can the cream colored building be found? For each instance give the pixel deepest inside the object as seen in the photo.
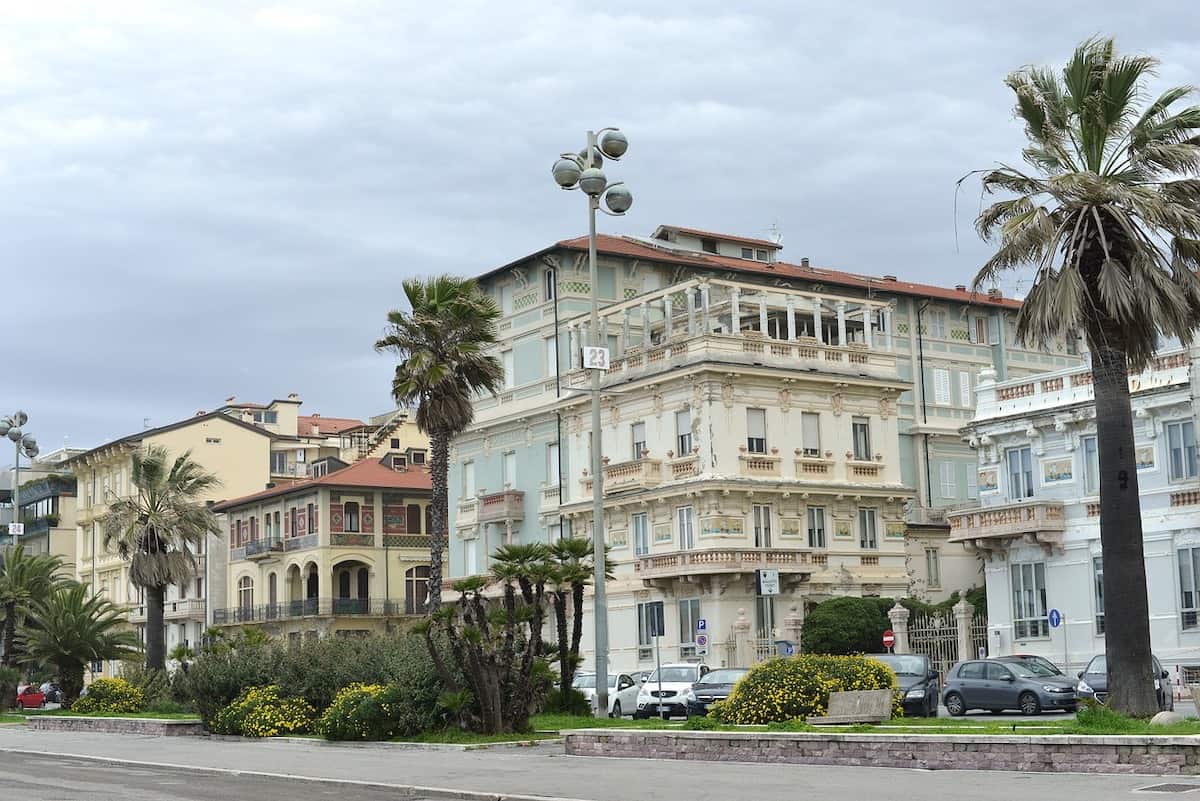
(344, 554)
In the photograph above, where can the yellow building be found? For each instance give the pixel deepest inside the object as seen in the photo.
(345, 554)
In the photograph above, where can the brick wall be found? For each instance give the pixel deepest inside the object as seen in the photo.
(161, 728)
(1059, 753)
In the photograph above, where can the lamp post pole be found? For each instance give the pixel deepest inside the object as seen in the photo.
(583, 171)
(11, 427)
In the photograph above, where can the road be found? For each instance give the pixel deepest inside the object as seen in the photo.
(190, 768)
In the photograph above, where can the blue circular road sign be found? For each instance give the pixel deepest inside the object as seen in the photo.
(1055, 618)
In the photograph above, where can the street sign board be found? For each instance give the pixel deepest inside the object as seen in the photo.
(889, 639)
(702, 624)
(702, 640)
(1056, 618)
(595, 358)
(768, 582)
(789, 649)
(16, 529)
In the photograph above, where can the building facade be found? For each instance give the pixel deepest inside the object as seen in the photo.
(48, 512)
(343, 554)
(1036, 524)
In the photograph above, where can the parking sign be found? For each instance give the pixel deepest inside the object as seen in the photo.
(702, 624)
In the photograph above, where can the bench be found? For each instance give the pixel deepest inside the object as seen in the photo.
(858, 706)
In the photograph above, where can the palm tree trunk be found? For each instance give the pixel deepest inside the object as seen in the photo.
(564, 656)
(1126, 609)
(576, 628)
(10, 633)
(439, 474)
(156, 637)
(70, 681)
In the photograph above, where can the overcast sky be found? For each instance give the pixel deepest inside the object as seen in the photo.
(200, 200)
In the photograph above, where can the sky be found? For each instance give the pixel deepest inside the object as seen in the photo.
(200, 200)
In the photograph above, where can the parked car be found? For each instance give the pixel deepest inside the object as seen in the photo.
(622, 692)
(716, 685)
(1093, 683)
(918, 681)
(30, 698)
(662, 692)
(1033, 659)
(996, 686)
(52, 692)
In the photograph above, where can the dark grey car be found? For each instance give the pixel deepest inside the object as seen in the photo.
(918, 681)
(1093, 683)
(997, 686)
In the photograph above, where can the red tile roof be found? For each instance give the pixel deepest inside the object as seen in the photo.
(326, 425)
(624, 246)
(368, 473)
(762, 243)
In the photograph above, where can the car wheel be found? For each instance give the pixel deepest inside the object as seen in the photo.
(638, 716)
(616, 713)
(1029, 704)
(20, 706)
(955, 705)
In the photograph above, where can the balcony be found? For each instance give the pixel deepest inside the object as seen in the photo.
(992, 527)
(860, 470)
(759, 464)
(812, 467)
(502, 507)
(316, 607)
(684, 467)
(631, 475)
(725, 560)
(172, 610)
(549, 498)
(467, 512)
(263, 548)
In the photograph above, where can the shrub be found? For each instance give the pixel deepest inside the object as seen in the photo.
(701, 723)
(111, 697)
(790, 688)
(155, 685)
(845, 626)
(362, 712)
(9, 679)
(218, 677)
(572, 702)
(263, 712)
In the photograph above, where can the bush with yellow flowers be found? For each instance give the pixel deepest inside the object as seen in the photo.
(263, 712)
(363, 712)
(111, 697)
(798, 687)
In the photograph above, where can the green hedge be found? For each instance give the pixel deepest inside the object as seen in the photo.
(264, 712)
(798, 687)
(110, 697)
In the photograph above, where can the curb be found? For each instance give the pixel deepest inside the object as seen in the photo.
(404, 745)
(405, 790)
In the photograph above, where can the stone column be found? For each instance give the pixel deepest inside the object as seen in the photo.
(841, 315)
(704, 304)
(867, 315)
(735, 311)
(793, 625)
(691, 312)
(573, 344)
(625, 330)
(743, 643)
(791, 314)
(817, 320)
(762, 314)
(668, 312)
(964, 613)
(887, 327)
(645, 310)
(899, 617)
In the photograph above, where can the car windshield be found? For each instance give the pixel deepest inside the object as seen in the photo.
(903, 665)
(1049, 668)
(1030, 670)
(1099, 664)
(589, 682)
(674, 674)
(723, 676)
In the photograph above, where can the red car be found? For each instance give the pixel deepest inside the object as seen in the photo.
(31, 698)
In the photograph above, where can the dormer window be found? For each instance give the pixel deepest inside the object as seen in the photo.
(418, 457)
(761, 255)
(399, 462)
(708, 245)
(747, 253)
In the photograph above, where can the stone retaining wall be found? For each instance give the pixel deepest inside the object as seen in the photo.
(1049, 753)
(162, 728)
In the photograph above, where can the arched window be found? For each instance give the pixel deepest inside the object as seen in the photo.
(364, 583)
(272, 589)
(245, 593)
(312, 584)
(416, 590)
(351, 516)
(414, 519)
(344, 584)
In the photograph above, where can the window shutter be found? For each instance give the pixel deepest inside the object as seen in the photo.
(756, 423)
(941, 386)
(949, 485)
(811, 424)
(964, 389)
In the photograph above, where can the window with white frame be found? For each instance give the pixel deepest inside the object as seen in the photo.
(941, 386)
(1029, 600)
(551, 356)
(972, 482)
(747, 253)
(861, 429)
(549, 287)
(637, 436)
(506, 360)
(1189, 586)
(1020, 473)
(685, 520)
(245, 593)
(949, 482)
(816, 527)
(645, 626)
(471, 556)
(937, 324)
(978, 329)
(689, 614)
(278, 462)
(761, 515)
(640, 525)
(1098, 581)
(868, 529)
(1091, 465)
(1181, 450)
(683, 432)
(756, 430)
(993, 330)
(933, 568)
(810, 434)
(506, 297)
(965, 398)
(553, 465)
(468, 480)
(508, 469)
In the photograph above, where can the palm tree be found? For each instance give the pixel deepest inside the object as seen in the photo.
(23, 579)
(73, 629)
(1108, 215)
(571, 571)
(442, 344)
(158, 532)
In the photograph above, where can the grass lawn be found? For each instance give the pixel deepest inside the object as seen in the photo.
(150, 715)
(5, 718)
(559, 723)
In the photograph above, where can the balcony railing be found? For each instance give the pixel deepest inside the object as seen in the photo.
(499, 507)
(351, 539)
(263, 548)
(759, 464)
(316, 607)
(467, 512)
(172, 610)
(621, 476)
(724, 560)
(549, 498)
(990, 525)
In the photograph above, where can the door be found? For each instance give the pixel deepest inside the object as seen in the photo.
(627, 692)
(1001, 692)
(972, 680)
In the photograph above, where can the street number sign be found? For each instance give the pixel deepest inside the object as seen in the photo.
(595, 358)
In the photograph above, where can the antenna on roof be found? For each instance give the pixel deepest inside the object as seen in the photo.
(145, 423)
(774, 234)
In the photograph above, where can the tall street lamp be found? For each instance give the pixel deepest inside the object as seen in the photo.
(583, 171)
(23, 443)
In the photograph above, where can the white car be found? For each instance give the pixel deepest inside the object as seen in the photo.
(666, 698)
(622, 692)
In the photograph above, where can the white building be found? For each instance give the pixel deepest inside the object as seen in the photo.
(1037, 521)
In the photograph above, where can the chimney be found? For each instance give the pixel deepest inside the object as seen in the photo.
(804, 261)
(994, 293)
(961, 287)
(247, 416)
(889, 278)
(200, 412)
(292, 396)
(316, 415)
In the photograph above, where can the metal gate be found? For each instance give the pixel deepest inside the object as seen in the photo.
(935, 636)
(979, 635)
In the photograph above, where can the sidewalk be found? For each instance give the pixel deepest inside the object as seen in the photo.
(546, 771)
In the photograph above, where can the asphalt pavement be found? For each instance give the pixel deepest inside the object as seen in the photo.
(234, 769)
